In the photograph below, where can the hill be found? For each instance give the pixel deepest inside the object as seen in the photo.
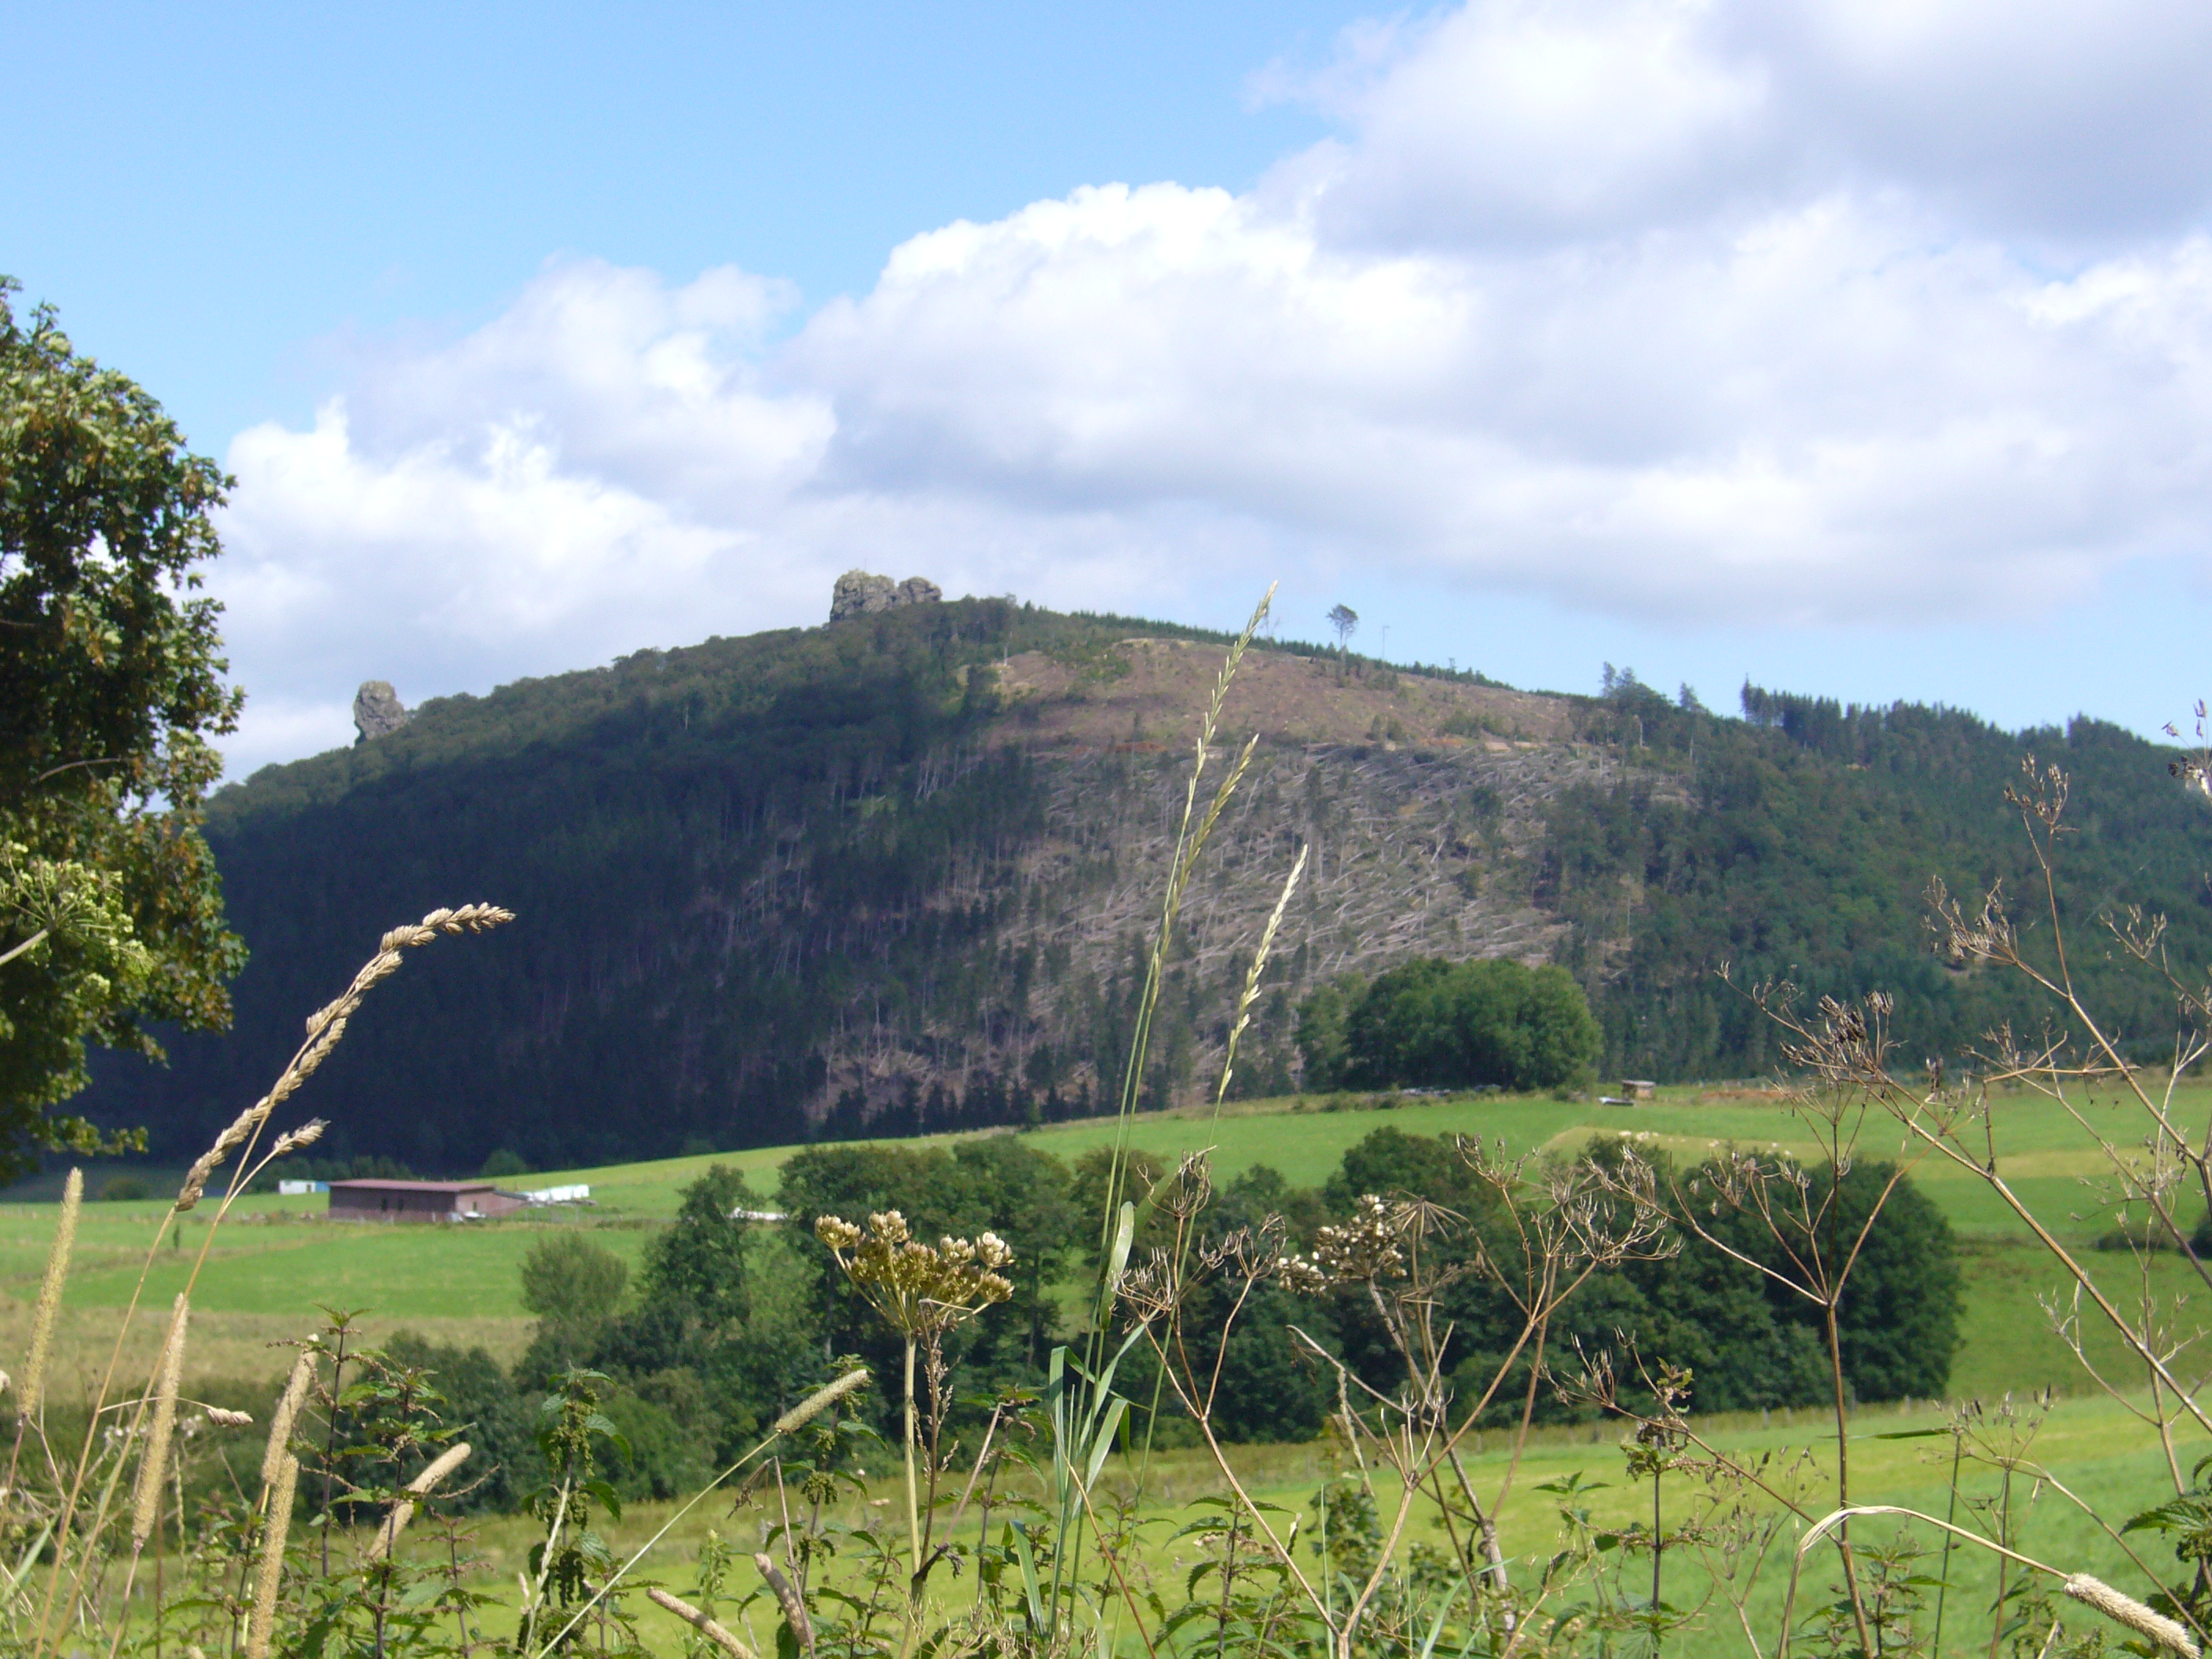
(897, 874)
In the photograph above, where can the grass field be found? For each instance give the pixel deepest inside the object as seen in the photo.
(277, 1261)
(2092, 1446)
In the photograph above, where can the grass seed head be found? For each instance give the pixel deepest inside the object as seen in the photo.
(152, 1463)
(261, 1625)
(50, 1296)
(2126, 1610)
(819, 1401)
(287, 1412)
(699, 1621)
(403, 1512)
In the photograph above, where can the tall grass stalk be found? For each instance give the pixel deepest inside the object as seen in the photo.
(1082, 1387)
(1191, 836)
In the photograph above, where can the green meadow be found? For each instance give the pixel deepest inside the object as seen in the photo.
(1899, 1455)
(277, 1261)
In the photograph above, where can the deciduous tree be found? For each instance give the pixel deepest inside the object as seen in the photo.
(112, 684)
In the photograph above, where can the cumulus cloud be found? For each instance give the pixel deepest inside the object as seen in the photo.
(1825, 314)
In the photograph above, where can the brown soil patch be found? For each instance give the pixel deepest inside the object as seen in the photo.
(1143, 694)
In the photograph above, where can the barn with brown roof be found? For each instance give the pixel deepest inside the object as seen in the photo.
(419, 1200)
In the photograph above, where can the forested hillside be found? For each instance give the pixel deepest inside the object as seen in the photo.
(897, 873)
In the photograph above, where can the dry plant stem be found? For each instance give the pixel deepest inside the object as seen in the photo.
(913, 1515)
(1277, 1546)
(1113, 1566)
(1359, 1607)
(1843, 1481)
(534, 1595)
(325, 1027)
(699, 1621)
(1821, 1283)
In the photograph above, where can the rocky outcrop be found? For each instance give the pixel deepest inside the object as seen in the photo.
(858, 593)
(377, 711)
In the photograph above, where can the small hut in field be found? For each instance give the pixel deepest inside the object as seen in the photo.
(419, 1200)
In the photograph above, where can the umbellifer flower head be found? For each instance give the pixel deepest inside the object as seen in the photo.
(918, 1287)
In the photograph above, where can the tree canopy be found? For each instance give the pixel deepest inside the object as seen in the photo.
(1451, 1025)
(110, 687)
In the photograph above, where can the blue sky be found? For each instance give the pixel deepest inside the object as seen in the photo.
(1859, 349)
(218, 192)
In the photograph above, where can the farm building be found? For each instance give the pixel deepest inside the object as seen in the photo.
(419, 1200)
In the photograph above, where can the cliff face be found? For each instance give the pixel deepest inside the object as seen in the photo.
(902, 873)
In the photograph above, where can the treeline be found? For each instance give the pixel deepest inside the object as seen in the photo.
(729, 1321)
(1798, 844)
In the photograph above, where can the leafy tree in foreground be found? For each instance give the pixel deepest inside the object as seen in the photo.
(110, 687)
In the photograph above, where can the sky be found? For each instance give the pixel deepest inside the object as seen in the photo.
(1854, 347)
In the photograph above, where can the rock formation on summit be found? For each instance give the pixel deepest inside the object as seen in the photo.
(377, 710)
(859, 594)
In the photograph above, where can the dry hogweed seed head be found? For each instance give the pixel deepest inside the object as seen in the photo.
(287, 1412)
(152, 1463)
(819, 1401)
(49, 1295)
(261, 1626)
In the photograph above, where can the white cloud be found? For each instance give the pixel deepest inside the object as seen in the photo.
(1825, 314)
